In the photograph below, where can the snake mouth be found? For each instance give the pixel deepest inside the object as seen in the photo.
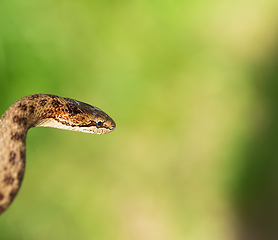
(112, 125)
(109, 125)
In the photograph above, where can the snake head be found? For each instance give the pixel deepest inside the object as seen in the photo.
(70, 114)
(88, 118)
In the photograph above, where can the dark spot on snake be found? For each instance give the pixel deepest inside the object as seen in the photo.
(73, 110)
(17, 136)
(20, 121)
(65, 123)
(92, 123)
(32, 97)
(12, 157)
(8, 180)
(53, 96)
(20, 175)
(48, 113)
(15, 118)
(43, 102)
(31, 109)
(13, 194)
(55, 103)
(1, 196)
(22, 155)
(23, 107)
(23, 121)
(14, 136)
(5, 168)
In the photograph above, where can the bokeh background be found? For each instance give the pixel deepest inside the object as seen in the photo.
(193, 88)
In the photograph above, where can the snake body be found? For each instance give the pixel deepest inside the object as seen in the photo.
(40, 110)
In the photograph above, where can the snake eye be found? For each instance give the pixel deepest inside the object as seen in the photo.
(99, 124)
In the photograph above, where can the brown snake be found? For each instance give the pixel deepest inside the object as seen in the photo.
(40, 110)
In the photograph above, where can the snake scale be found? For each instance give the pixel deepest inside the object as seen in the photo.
(40, 110)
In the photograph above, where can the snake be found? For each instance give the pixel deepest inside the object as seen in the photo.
(45, 110)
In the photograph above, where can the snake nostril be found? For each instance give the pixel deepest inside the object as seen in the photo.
(113, 125)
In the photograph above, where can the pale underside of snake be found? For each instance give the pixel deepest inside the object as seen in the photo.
(40, 110)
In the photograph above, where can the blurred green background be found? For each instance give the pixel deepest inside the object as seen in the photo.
(193, 88)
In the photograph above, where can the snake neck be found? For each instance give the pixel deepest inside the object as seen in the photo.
(14, 125)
